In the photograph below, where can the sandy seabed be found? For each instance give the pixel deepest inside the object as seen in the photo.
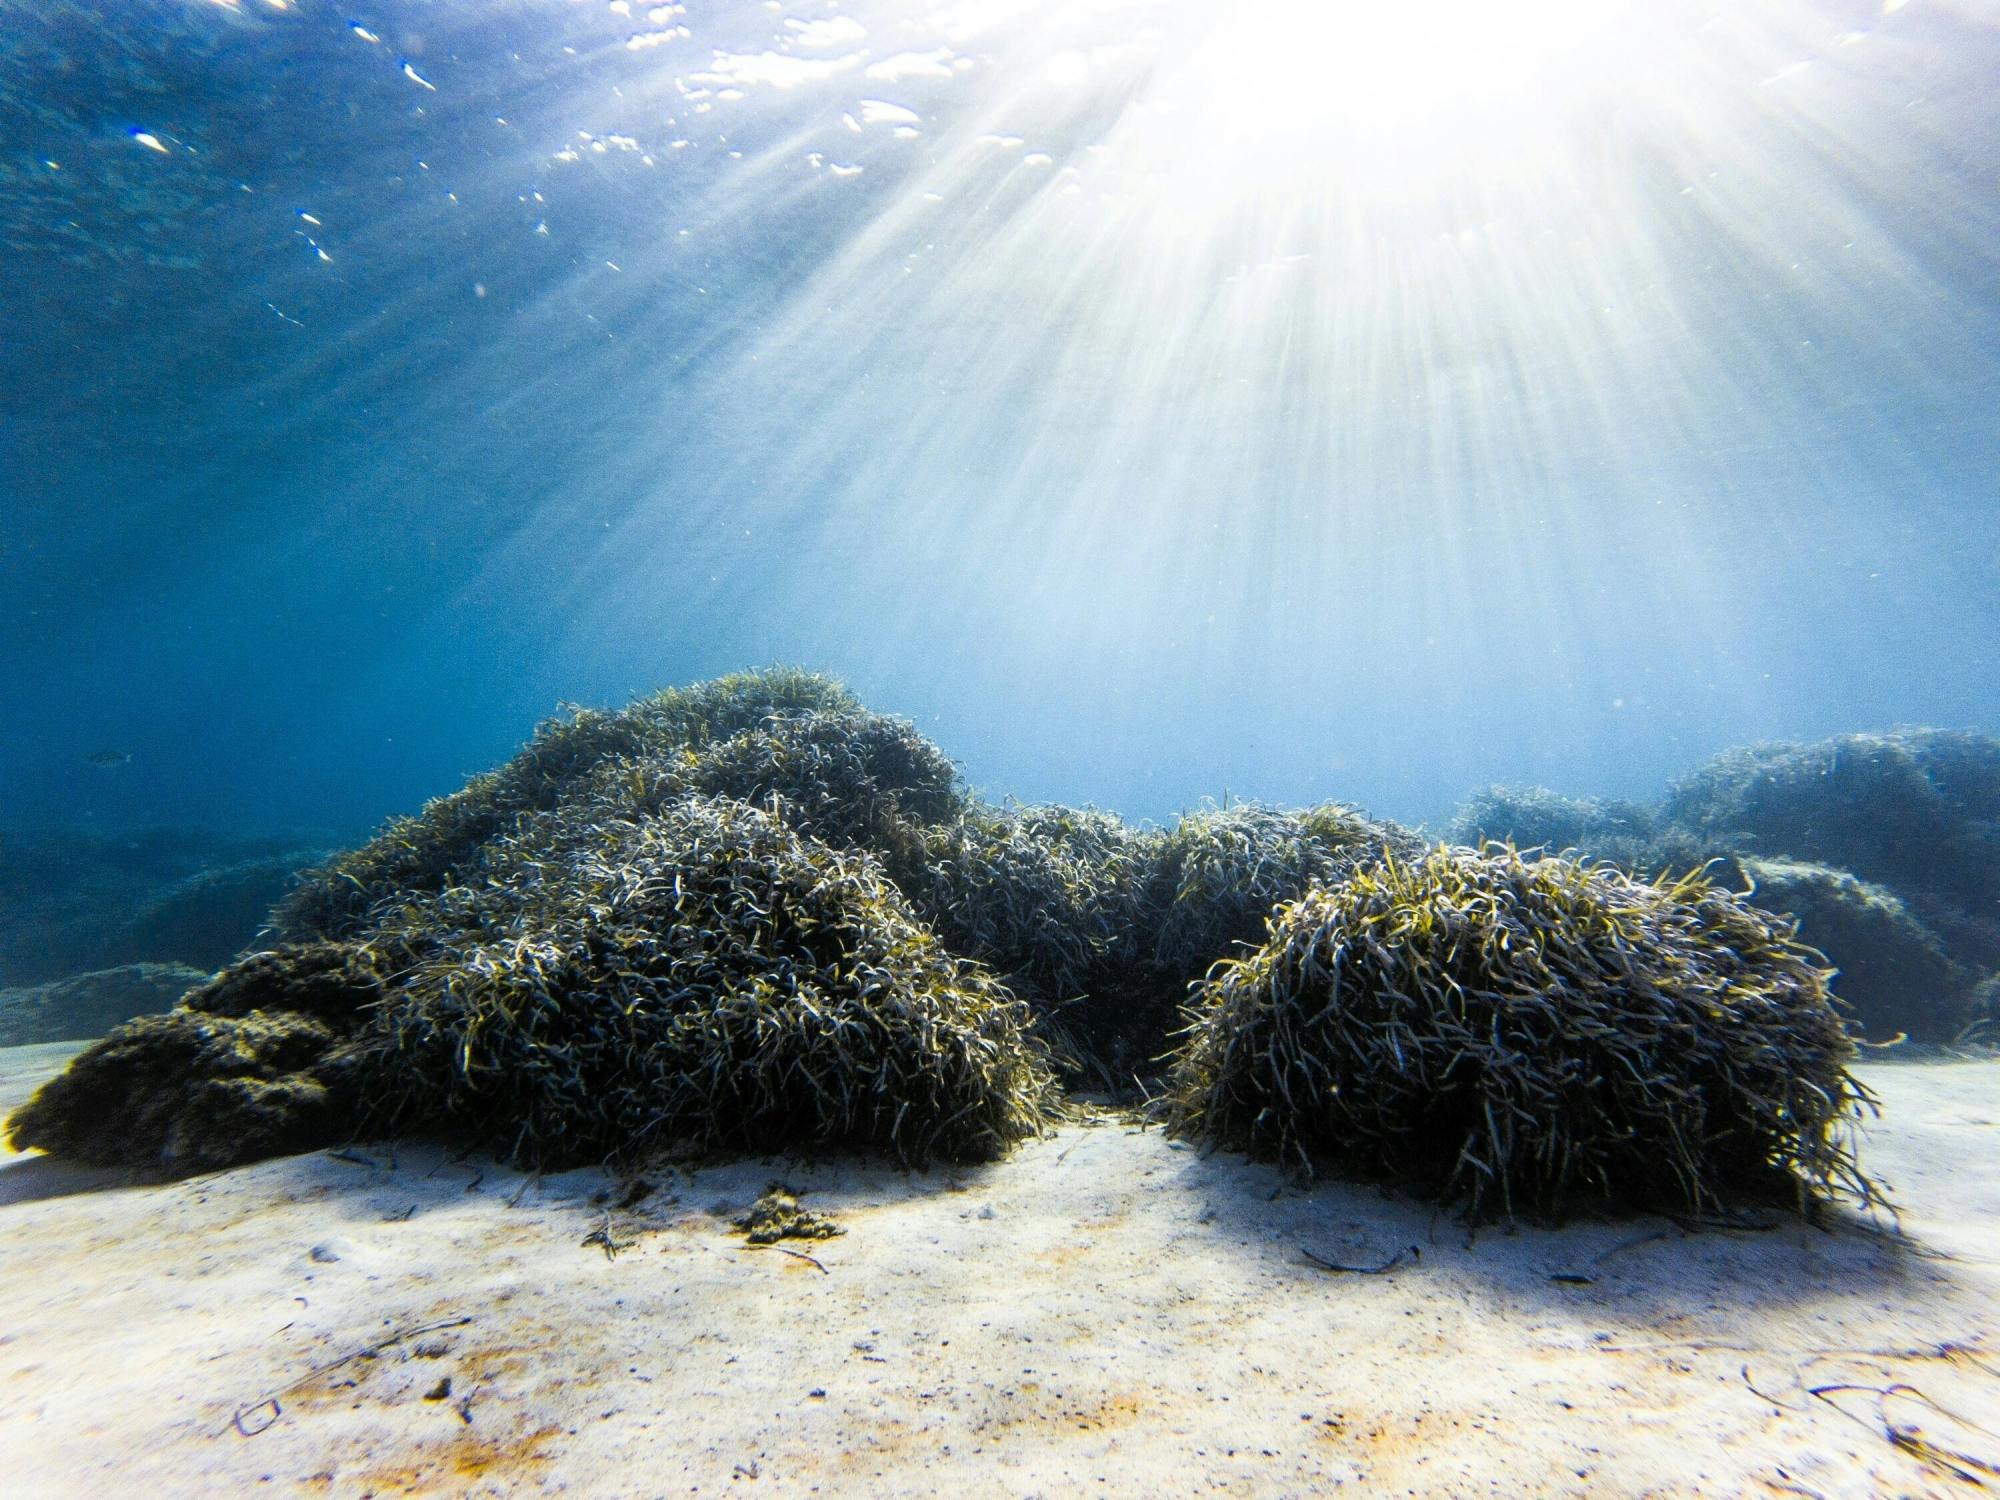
(1105, 1312)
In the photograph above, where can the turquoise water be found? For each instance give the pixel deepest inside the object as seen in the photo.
(1152, 402)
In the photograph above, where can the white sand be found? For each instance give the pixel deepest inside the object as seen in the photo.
(1105, 1312)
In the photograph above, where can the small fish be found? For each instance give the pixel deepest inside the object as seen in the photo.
(147, 139)
(364, 33)
(109, 757)
(414, 76)
(309, 219)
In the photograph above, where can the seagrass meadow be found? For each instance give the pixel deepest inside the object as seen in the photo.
(749, 915)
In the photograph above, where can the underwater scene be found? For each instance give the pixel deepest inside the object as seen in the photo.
(891, 747)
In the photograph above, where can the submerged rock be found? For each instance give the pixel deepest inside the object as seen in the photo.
(256, 1062)
(1982, 1029)
(1903, 830)
(1916, 811)
(1894, 976)
(1537, 818)
(89, 1005)
(72, 902)
(190, 1092)
(211, 916)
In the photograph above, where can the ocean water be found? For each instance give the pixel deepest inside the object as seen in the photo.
(1163, 407)
(1153, 402)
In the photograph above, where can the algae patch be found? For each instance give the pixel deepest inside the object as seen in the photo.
(778, 1216)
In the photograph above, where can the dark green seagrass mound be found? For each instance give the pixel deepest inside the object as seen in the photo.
(1217, 874)
(665, 733)
(597, 981)
(1527, 1035)
(750, 915)
(1103, 927)
(704, 977)
(1051, 899)
(598, 948)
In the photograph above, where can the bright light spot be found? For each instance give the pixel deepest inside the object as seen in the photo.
(1348, 95)
(933, 64)
(774, 68)
(1068, 69)
(834, 32)
(882, 112)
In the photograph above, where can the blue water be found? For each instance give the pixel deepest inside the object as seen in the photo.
(1153, 402)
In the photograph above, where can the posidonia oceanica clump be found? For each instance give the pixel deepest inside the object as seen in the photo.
(1528, 1034)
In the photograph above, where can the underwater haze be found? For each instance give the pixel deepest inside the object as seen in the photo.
(1151, 401)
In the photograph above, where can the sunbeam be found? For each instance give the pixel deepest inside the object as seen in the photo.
(1536, 367)
(1176, 342)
